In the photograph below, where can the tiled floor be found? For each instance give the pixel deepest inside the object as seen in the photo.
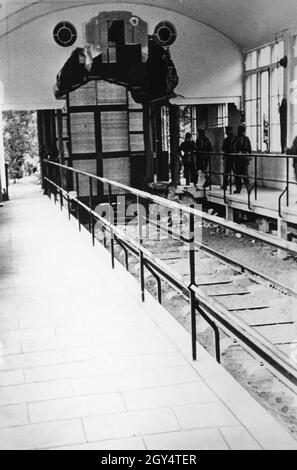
(85, 365)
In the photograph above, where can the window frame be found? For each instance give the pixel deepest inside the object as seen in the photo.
(258, 70)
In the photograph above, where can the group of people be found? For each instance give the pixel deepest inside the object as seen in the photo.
(195, 157)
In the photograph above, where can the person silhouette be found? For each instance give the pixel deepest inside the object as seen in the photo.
(187, 151)
(241, 162)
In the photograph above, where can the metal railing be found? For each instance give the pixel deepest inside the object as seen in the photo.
(57, 183)
(256, 178)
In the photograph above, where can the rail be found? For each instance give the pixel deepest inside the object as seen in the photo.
(218, 159)
(58, 183)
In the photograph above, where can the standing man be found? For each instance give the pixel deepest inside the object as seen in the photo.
(241, 162)
(187, 151)
(203, 147)
(228, 147)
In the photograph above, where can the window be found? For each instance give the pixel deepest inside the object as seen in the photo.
(222, 115)
(293, 91)
(264, 85)
(165, 122)
(116, 37)
(188, 121)
(65, 34)
(293, 99)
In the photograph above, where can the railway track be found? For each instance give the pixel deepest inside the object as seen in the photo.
(263, 303)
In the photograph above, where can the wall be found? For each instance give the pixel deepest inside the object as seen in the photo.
(208, 63)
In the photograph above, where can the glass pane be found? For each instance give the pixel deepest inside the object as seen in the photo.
(277, 51)
(136, 142)
(264, 56)
(83, 133)
(114, 131)
(294, 112)
(117, 169)
(64, 126)
(132, 104)
(185, 123)
(254, 86)
(248, 88)
(274, 110)
(89, 166)
(135, 122)
(265, 111)
(111, 55)
(248, 61)
(166, 128)
(277, 83)
(253, 137)
(84, 96)
(254, 59)
(274, 82)
(110, 94)
(254, 112)
(281, 81)
(275, 138)
(248, 115)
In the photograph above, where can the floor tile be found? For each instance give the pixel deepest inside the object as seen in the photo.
(201, 439)
(135, 424)
(65, 408)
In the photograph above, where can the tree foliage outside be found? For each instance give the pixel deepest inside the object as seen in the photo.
(21, 143)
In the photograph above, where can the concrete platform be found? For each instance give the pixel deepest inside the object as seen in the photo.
(85, 365)
(265, 205)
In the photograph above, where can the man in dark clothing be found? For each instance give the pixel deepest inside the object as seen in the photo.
(187, 150)
(203, 147)
(241, 162)
(228, 147)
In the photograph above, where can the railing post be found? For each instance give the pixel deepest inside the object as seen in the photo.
(192, 283)
(44, 176)
(209, 171)
(111, 227)
(49, 171)
(61, 189)
(288, 179)
(181, 222)
(256, 177)
(141, 257)
(77, 205)
(226, 176)
(91, 221)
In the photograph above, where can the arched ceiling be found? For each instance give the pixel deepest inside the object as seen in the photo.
(249, 23)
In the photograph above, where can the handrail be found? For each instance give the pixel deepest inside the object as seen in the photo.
(214, 313)
(252, 154)
(256, 155)
(269, 239)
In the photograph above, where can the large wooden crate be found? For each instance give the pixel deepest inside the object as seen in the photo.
(103, 134)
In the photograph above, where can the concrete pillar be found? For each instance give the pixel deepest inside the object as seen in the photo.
(282, 229)
(282, 232)
(229, 216)
(229, 213)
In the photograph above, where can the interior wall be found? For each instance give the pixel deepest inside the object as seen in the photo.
(208, 63)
